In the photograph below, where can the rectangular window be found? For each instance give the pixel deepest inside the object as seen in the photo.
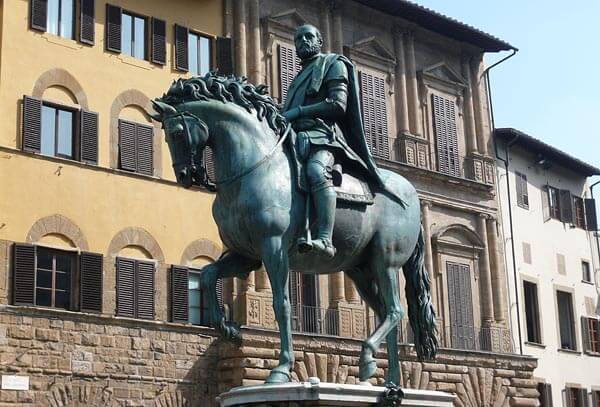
(198, 308)
(199, 54)
(57, 131)
(188, 304)
(136, 149)
(373, 97)
(545, 397)
(566, 320)
(133, 35)
(135, 288)
(591, 333)
(522, 193)
(446, 134)
(56, 278)
(586, 274)
(575, 397)
(579, 213)
(532, 315)
(60, 18)
(554, 202)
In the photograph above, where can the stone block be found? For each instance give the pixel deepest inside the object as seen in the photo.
(90, 339)
(140, 343)
(20, 332)
(81, 366)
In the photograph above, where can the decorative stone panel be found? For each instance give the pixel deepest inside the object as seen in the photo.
(413, 150)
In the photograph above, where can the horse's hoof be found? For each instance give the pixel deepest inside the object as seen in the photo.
(366, 370)
(278, 376)
(231, 333)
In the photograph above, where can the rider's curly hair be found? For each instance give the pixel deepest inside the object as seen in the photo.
(228, 89)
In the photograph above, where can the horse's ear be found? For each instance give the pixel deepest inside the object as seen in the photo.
(162, 109)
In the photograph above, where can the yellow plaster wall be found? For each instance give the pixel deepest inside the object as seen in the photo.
(100, 202)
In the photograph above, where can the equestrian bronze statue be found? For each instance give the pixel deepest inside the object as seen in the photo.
(282, 177)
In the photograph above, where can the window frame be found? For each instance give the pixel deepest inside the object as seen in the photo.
(575, 396)
(75, 133)
(133, 16)
(554, 198)
(592, 341)
(571, 322)
(211, 50)
(585, 265)
(204, 312)
(536, 335)
(74, 271)
(522, 190)
(578, 212)
(136, 125)
(59, 20)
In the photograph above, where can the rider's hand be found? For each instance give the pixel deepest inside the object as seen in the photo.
(292, 114)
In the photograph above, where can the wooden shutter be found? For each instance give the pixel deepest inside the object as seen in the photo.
(462, 329)
(87, 21)
(546, 202)
(595, 398)
(23, 274)
(585, 334)
(289, 66)
(159, 41)
(444, 125)
(181, 48)
(591, 222)
(178, 294)
(32, 124)
(144, 289)
(566, 206)
(126, 287)
(224, 55)
(113, 28)
(519, 188)
(583, 397)
(89, 137)
(90, 276)
(545, 397)
(38, 14)
(295, 287)
(144, 149)
(127, 146)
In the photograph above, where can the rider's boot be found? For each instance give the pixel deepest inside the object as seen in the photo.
(324, 200)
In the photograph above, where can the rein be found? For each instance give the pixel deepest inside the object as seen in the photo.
(258, 164)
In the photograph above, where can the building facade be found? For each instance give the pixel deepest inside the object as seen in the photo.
(99, 280)
(554, 283)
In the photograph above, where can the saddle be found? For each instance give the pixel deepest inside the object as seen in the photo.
(350, 187)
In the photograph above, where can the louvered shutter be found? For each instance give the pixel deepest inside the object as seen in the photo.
(181, 48)
(585, 334)
(144, 149)
(23, 274)
(583, 396)
(224, 55)
(209, 163)
(144, 289)
(595, 398)
(566, 206)
(90, 276)
(38, 14)
(159, 41)
(289, 66)
(546, 202)
(127, 146)
(32, 124)
(444, 125)
(545, 398)
(591, 221)
(89, 137)
(178, 294)
(113, 28)
(295, 287)
(87, 20)
(126, 287)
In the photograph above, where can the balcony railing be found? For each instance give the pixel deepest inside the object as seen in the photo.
(315, 320)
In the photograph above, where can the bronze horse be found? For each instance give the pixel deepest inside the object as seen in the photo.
(260, 212)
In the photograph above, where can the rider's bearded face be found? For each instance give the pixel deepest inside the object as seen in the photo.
(308, 43)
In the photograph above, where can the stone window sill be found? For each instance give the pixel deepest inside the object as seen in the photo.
(571, 351)
(587, 282)
(535, 344)
(590, 353)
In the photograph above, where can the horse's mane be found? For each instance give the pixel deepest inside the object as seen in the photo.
(227, 89)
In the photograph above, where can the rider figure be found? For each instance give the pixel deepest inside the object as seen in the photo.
(324, 108)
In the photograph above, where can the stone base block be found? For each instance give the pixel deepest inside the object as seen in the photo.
(316, 394)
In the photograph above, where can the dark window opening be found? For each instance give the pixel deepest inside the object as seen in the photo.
(532, 316)
(579, 213)
(522, 193)
(554, 202)
(566, 320)
(586, 273)
(53, 278)
(575, 397)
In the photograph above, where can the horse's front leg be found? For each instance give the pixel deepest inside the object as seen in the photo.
(275, 259)
(231, 264)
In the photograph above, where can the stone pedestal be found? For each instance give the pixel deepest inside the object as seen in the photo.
(316, 394)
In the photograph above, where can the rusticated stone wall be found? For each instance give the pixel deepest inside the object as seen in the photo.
(478, 379)
(76, 359)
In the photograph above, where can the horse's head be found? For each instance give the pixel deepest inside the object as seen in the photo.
(186, 135)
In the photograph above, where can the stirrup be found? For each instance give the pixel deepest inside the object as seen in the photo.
(304, 245)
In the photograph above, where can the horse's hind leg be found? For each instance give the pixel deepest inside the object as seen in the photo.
(386, 277)
(231, 264)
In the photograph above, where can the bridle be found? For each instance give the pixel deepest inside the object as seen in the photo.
(206, 181)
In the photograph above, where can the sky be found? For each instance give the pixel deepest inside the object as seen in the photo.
(551, 88)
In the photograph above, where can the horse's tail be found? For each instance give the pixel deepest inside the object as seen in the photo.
(420, 308)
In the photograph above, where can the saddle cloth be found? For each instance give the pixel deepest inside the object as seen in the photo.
(354, 189)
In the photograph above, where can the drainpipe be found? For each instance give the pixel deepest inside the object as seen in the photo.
(510, 217)
(597, 271)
